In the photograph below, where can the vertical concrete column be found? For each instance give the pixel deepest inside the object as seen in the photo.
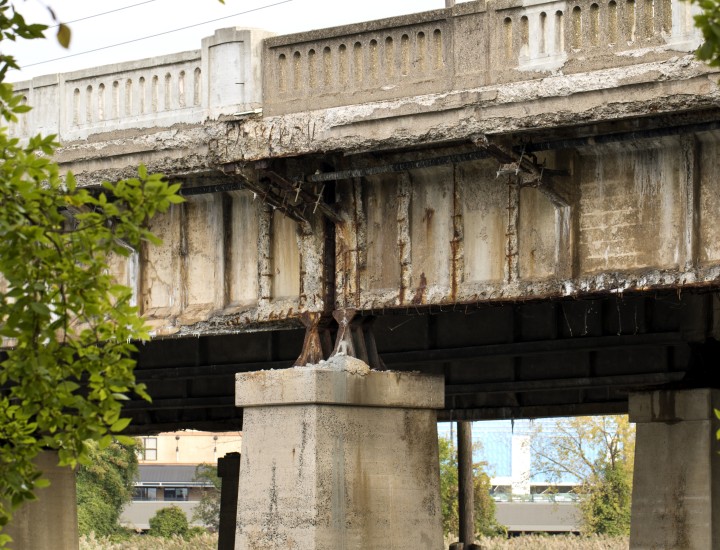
(50, 522)
(336, 456)
(466, 497)
(229, 472)
(676, 484)
(232, 70)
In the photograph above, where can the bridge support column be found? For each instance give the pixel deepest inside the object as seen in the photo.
(338, 456)
(50, 522)
(676, 486)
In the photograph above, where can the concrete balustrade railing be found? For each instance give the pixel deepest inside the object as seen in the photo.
(221, 78)
(544, 35)
(361, 62)
(470, 45)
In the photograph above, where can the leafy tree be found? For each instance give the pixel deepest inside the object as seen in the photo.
(448, 485)
(597, 453)
(68, 327)
(485, 523)
(105, 486)
(606, 510)
(708, 21)
(168, 522)
(207, 511)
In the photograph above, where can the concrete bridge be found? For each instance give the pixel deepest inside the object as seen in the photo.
(519, 200)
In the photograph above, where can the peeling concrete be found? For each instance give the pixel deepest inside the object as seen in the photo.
(624, 219)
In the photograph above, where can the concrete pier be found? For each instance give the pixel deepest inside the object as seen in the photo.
(50, 522)
(676, 486)
(336, 456)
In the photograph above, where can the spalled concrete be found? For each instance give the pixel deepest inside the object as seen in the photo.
(338, 456)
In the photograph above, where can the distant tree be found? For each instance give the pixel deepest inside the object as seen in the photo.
(168, 522)
(105, 486)
(207, 510)
(448, 485)
(597, 453)
(606, 509)
(485, 522)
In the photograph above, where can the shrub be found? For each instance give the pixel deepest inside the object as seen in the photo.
(206, 541)
(168, 522)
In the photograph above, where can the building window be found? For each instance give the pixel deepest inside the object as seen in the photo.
(145, 493)
(176, 493)
(149, 450)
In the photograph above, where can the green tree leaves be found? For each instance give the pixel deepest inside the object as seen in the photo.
(67, 328)
(71, 327)
(708, 21)
(485, 523)
(104, 487)
(606, 509)
(598, 452)
(207, 510)
(169, 521)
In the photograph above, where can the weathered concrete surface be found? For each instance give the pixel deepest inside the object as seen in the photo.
(470, 44)
(221, 78)
(612, 93)
(50, 522)
(634, 218)
(676, 482)
(339, 458)
(467, 79)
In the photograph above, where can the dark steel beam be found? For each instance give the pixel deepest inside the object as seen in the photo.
(144, 374)
(524, 386)
(304, 195)
(398, 166)
(540, 347)
(534, 411)
(181, 403)
(206, 189)
(636, 135)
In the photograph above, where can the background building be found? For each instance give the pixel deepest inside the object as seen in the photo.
(167, 465)
(526, 500)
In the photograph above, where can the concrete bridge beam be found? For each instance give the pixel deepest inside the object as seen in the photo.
(676, 486)
(338, 456)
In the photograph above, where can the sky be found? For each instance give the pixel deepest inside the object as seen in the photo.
(143, 18)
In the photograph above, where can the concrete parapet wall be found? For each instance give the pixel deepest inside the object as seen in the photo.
(470, 45)
(221, 78)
